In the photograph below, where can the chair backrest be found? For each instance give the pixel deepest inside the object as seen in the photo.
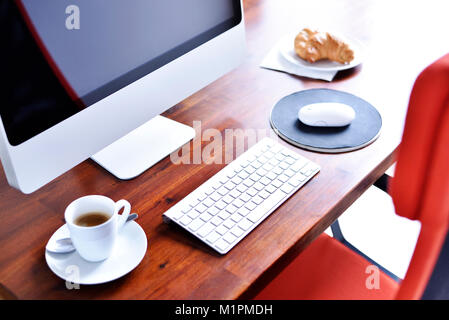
(420, 188)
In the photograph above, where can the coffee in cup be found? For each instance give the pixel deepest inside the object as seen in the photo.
(94, 222)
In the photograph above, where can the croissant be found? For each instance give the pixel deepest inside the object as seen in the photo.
(312, 46)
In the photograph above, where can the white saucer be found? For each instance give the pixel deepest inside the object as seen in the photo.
(287, 50)
(129, 250)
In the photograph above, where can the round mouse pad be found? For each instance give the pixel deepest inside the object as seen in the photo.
(362, 131)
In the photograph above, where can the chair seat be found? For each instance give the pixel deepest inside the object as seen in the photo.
(328, 270)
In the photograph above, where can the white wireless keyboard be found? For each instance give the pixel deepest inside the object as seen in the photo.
(224, 209)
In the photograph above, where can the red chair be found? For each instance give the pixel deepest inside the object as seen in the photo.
(328, 269)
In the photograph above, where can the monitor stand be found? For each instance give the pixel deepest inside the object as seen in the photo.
(143, 147)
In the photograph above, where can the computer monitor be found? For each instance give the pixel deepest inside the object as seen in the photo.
(89, 78)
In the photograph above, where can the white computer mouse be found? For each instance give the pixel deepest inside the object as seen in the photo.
(326, 114)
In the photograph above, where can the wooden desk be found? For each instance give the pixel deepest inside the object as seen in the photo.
(401, 40)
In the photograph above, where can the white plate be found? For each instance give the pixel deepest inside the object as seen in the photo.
(287, 50)
(129, 250)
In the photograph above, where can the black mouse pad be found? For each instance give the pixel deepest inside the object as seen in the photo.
(362, 131)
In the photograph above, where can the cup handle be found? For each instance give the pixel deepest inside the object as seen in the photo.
(126, 210)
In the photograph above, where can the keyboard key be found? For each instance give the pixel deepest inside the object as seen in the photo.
(236, 217)
(236, 231)
(287, 188)
(238, 203)
(231, 174)
(193, 214)
(231, 208)
(298, 165)
(271, 175)
(294, 182)
(283, 178)
(284, 165)
(209, 191)
(221, 230)
(224, 215)
(216, 185)
(205, 216)
(223, 179)
(243, 175)
(251, 191)
(221, 245)
(286, 152)
(245, 224)
(229, 224)
(222, 191)
(257, 199)
(227, 199)
(216, 221)
(237, 180)
(202, 196)
(300, 177)
(229, 185)
(279, 156)
(235, 193)
(309, 173)
(267, 167)
(255, 177)
(212, 237)
(229, 237)
(213, 211)
(208, 202)
(265, 181)
(205, 229)
(243, 211)
(201, 208)
(261, 172)
(248, 182)
(196, 224)
(262, 159)
(244, 163)
(271, 188)
(215, 196)
(289, 160)
(220, 204)
(269, 154)
(277, 183)
(185, 220)
(186, 209)
(258, 186)
(246, 197)
(289, 172)
(250, 206)
(250, 170)
(308, 168)
(256, 164)
(264, 194)
(242, 188)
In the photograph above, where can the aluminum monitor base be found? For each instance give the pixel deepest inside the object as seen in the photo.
(143, 147)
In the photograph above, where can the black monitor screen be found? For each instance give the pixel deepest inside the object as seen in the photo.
(62, 56)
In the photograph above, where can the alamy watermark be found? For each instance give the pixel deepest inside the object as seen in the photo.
(372, 282)
(73, 277)
(219, 147)
(72, 21)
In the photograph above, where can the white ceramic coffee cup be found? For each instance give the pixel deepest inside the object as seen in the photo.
(96, 243)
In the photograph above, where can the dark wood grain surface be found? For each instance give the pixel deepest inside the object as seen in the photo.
(401, 38)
